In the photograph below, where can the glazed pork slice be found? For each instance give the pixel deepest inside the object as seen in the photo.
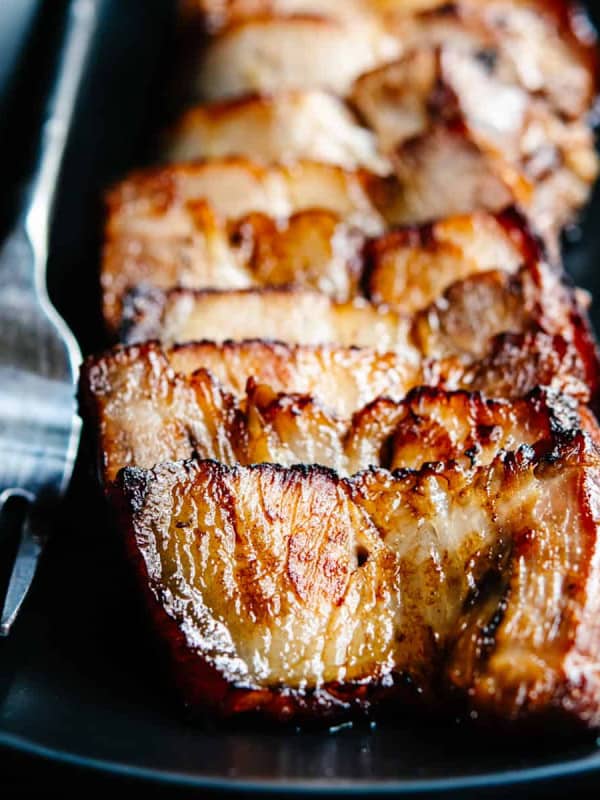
(234, 223)
(295, 315)
(275, 53)
(461, 323)
(550, 47)
(256, 402)
(304, 597)
(283, 127)
(146, 404)
(444, 111)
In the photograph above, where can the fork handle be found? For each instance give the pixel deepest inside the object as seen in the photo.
(41, 190)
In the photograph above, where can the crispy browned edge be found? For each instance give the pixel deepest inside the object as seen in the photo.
(204, 690)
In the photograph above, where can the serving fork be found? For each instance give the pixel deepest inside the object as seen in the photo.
(39, 356)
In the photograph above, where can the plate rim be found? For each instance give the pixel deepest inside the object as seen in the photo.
(489, 780)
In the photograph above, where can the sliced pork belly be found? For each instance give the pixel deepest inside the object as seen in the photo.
(233, 223)
(284, 127)
(462, 322)
(346, 409)
(466, 136)
(550, 47)
(300, 596)
(275, 53)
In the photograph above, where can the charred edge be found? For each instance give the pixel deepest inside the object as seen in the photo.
(134, 485)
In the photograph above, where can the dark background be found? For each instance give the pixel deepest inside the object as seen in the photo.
(127, 81)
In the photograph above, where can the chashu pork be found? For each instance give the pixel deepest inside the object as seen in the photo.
(461, 323)
(302, 596)
(256, 402)
(232, 223)
(283, 127)
(444, 111)
(550, 46)
(235, 224)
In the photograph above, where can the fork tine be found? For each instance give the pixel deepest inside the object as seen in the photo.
(24, 568)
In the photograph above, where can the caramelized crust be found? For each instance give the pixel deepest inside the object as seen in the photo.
(411, 267)
(299, 595)
(248, 404)
(285, 127)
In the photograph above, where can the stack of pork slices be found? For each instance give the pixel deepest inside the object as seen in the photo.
(349, 432)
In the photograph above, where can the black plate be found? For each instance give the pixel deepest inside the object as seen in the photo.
(78, 679)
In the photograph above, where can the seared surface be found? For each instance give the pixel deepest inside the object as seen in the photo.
(411, 267)
(398, 501)
(346, 409)
(297, 594)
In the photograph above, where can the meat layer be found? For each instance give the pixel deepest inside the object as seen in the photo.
(298, 595)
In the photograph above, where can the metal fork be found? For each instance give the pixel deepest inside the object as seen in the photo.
(39, 357)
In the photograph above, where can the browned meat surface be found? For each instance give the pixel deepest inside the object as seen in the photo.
(299, 595)
(255, 402)
(411, 267)
(349, 439)
(285, 127)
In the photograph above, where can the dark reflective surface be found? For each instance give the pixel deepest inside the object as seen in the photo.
(79, 678)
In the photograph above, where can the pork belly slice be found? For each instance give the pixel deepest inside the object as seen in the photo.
(274, 53)
(445, 112)
(295, 315)
(145, 403)
(234, 223)
(461, 323)
(301, 596)
(257, 402)
(284, 127)
(550, 46)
